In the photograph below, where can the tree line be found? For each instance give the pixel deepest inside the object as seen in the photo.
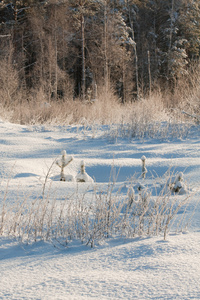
(66, 48)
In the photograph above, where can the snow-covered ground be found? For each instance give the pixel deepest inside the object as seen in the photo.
(132, 268)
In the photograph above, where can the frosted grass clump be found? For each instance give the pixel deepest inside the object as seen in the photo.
(131, 196)
(93, 218)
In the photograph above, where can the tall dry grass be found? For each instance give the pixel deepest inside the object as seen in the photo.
(92, 218)
(19, 106)
(107, 109)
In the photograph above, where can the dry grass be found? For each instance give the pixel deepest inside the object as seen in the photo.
(35, 107)
(94, 217)
(107, 109)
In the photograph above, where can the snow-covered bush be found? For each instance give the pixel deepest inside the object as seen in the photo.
(62, 163)
(144, 169)
(177, 185)
(83, 176)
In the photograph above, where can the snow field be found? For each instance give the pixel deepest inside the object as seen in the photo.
(117, 268)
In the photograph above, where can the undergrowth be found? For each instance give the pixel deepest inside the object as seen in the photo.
(148, 117)
(93, 217)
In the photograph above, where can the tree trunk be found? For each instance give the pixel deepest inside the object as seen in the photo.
(149, 71)
(105, 48)
(170, 38)
(83, 55)
(135, 50)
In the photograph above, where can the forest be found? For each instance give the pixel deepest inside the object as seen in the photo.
(72, 49)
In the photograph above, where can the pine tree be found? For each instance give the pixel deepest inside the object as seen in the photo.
(82, 9)
(189, 27)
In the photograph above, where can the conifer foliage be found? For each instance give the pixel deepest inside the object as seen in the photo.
(65, 48)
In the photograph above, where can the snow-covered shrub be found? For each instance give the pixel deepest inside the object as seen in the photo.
(144, 169)
(83, 176)
(177, 185)
(62, 163)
